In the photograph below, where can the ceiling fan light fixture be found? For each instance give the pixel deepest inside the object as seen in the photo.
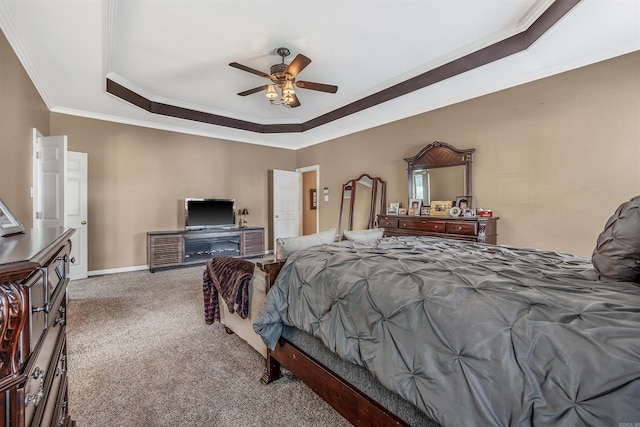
(271, 92)
(284, 77)
(288, 89)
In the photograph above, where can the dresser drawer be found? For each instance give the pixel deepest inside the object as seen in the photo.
(460, 227)
(388, 223)
(42, 373)
(58, 269)
(423, 225)
(36, 289)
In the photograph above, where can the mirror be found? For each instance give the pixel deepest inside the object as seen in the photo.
(363, 199)
(439, 172)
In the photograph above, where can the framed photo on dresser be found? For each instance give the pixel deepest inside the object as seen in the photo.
(414, 206)
(8, 223)
(463, 202)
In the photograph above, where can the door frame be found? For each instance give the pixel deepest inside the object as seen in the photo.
(315, 168)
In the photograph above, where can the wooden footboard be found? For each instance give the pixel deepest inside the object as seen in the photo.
(351, 403)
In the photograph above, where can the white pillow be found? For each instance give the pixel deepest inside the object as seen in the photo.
(363, 235)
(285, 246)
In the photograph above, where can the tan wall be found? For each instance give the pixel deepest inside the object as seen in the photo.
(139, 177)
(21, 110)
(554, 158)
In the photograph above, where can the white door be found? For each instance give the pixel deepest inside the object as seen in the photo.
(287, 191)
(76, 207)
(60, 193)
(49, 180)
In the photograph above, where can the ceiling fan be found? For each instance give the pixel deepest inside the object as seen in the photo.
(283, 76)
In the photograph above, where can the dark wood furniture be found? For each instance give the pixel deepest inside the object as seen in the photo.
(34, 268)
(362, 200)
(182, 248)
(476, 229)
(440, 172)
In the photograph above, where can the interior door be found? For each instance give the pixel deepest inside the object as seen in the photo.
(49, 176)
(287, 191)
(76, 207)
(60, 194)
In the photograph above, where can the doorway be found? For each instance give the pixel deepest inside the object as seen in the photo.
(309, 202)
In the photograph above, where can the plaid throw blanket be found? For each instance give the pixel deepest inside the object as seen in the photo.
(229, 278)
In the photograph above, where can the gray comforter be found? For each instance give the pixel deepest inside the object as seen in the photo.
(471, 334)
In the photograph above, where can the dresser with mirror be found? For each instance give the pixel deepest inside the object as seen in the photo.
(440, 172)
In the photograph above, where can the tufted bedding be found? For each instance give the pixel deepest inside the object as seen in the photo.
(471, 334)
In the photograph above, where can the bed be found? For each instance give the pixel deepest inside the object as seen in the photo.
(466, 333)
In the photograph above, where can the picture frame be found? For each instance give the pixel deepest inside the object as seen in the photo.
(402, 211)
(424, 211)
(8, 222)
(414, 207)
(467, 199)
(393, 208)
(313, 197)
(440, 207)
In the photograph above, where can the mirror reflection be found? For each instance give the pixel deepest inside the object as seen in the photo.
(438, 184)
(363, 199)
(439, 172)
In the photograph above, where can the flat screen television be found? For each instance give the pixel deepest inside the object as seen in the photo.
(209, 213)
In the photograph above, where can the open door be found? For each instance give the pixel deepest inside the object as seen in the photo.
(60, 194)
(287, 190)
(76, 207)
(49, 180)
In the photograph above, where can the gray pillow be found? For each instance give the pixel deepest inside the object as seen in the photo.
(363, 235)
(285, 246)
(617, 253)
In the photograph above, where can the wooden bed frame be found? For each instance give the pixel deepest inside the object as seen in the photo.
(351, 403)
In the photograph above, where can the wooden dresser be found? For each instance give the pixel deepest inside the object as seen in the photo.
(475, 229)
(34, 269)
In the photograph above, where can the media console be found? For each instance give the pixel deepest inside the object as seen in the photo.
(182, 248)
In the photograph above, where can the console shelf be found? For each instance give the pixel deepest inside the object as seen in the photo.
(166, 249)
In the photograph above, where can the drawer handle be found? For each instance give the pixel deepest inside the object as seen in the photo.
(60, 318)
(436, 227)
(37, 373)
(459, 228)
(44, 308)
(36, 398)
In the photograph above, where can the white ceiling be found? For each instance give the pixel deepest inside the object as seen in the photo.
(177, 52)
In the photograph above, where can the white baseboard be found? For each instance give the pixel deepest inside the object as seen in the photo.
(117, 270)
(133, 268)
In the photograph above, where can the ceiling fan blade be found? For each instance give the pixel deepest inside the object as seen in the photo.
(295, 103)
(297, 65)
(252, 91)
(249, 70)
(317, 86)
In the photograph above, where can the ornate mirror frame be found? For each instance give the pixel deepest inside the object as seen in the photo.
(376, 206)
(441, 155)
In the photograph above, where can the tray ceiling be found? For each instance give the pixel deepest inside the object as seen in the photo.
(176, 54)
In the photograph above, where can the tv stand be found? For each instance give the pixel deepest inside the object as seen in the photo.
(171, 249)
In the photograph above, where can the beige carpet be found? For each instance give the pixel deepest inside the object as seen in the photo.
(141, 355)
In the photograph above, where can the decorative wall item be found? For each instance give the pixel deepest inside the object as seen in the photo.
(313, 197)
